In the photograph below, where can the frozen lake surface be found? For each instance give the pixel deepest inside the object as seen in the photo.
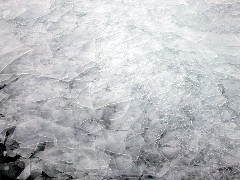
(120, 89)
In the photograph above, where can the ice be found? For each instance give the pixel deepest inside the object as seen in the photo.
(121, 89)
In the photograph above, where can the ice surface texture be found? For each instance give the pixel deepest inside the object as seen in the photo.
(120, 89)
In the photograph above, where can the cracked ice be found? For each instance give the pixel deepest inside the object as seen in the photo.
(120, 89)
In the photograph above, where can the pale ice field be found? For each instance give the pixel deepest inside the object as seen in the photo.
(120, 89)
